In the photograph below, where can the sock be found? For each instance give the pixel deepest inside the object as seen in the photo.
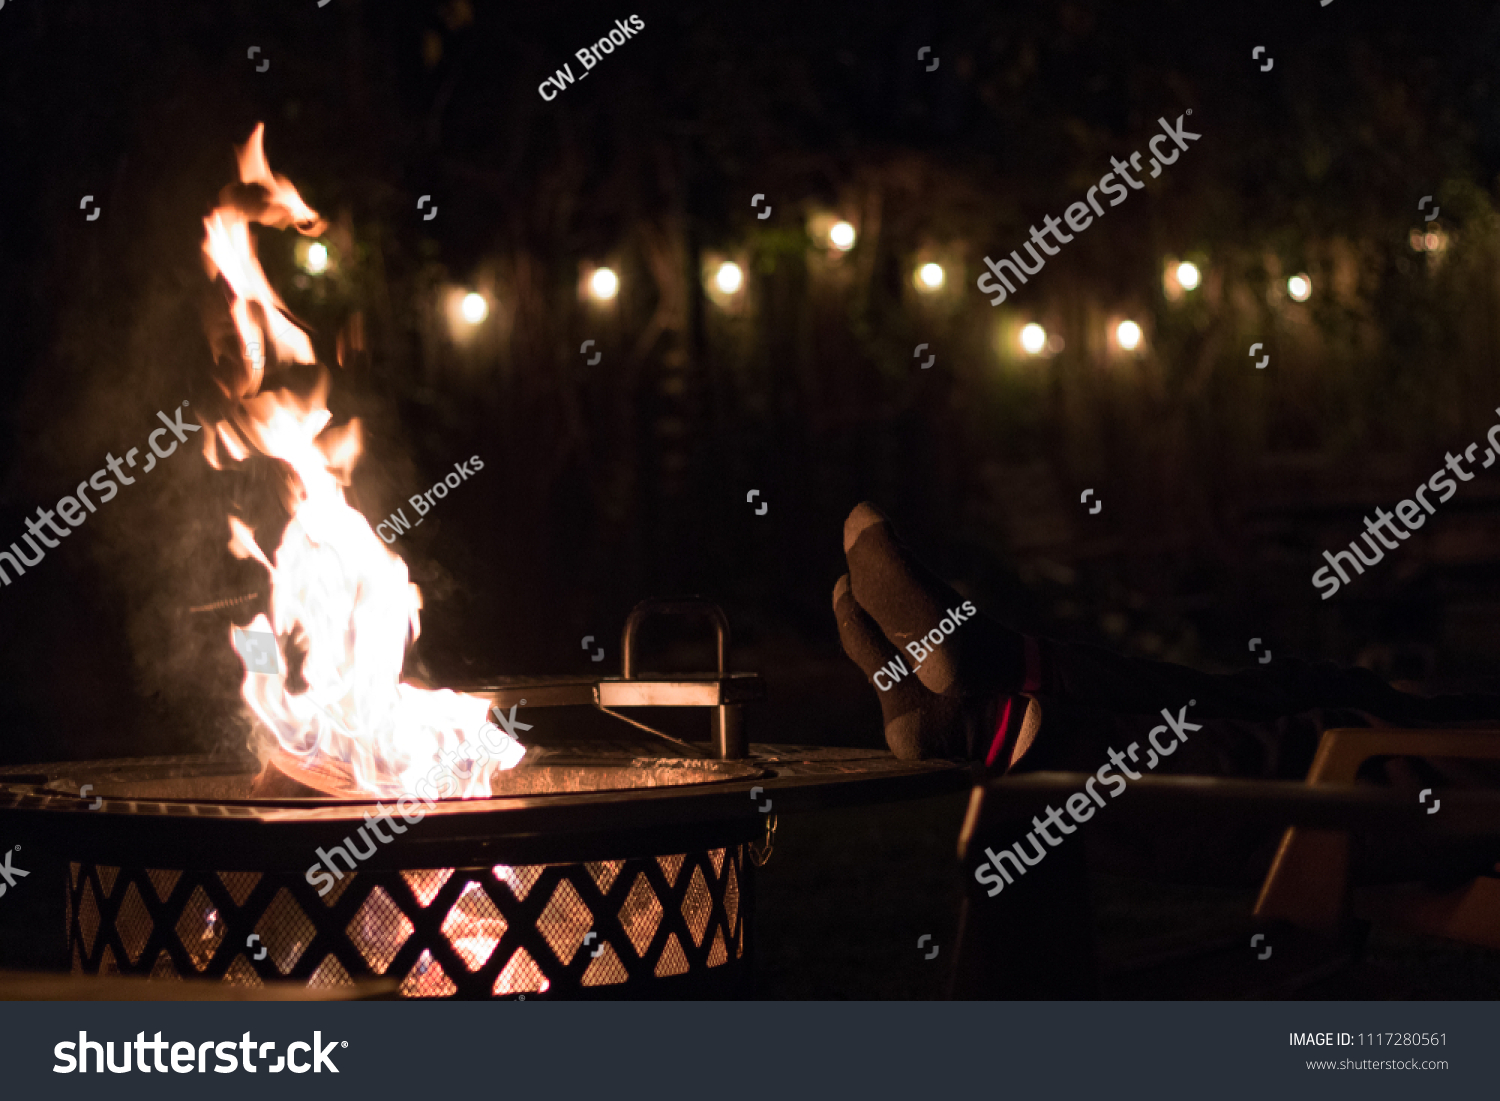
(1017, 724)
(918, 723)
(967, 654)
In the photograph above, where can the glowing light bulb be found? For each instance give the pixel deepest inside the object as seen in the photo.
(317, 258)
(1188, 275)
(475, 308)
(1128, 333)
(842, 236)
(729, 278)
(1299, 287)
(931, 276)
(604, 285)
(1033, 338)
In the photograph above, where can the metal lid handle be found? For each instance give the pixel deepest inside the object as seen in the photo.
(688, 605)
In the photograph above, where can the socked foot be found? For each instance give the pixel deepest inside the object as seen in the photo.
(956, 651)
(917, 723)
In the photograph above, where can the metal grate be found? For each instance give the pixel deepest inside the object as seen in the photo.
(697, 905)
(673, 959)
(162, 881)
(88, 918)
(133, 923)
(425, 883)
(240, 973)
(341, 884)
(379, 930)
(732, 898)
(522, 975)
(670, 866)
(330, 973)
(163, 969)
(447, 932)
(718, 954)
(564, 922)
(285, 931)
(427, 980)
(519, 880)
(474, 926)
(606, 970)
(604, 873)
(200, 929)
(239, 884)
(640, 915)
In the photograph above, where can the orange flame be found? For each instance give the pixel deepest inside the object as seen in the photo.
(341, 602)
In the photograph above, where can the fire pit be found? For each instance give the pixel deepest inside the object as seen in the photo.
(488, 897)
(636, 881)
(596, 869)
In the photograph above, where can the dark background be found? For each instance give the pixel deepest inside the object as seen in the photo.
(1222, 484)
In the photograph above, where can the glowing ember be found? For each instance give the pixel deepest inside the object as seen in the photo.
(341, 603)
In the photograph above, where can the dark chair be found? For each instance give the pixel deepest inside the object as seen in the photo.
(1035, 938)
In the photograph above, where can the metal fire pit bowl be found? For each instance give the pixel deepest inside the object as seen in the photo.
(595, 869)
(179, 874)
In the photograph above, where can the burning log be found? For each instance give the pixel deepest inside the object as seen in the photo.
(286, 777)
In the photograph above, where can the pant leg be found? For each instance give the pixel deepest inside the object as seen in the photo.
(1097, 677)
(1263, 723)
(1077, 737)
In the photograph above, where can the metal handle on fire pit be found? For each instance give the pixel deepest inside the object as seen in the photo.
(728, 724)
(681, 606)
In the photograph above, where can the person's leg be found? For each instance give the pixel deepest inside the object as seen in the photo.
(1286, 686)
(1067, 705)
(961, 653)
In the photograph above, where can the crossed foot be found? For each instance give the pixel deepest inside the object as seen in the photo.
(967, 667)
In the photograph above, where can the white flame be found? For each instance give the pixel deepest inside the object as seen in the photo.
(341, 603)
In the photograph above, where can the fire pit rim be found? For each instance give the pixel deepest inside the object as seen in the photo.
(531, 829)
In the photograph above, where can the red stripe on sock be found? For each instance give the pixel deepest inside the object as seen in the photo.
(1000, 729)
(1033, 681)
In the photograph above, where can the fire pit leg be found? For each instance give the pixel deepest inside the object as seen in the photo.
(730, 743)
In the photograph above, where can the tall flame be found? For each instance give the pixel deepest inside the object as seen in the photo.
(341, 602)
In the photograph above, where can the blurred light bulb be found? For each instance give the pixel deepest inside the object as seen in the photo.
(1128, 333)
(605, 284)
(931, 276)
(1299, 287)
(1188, 275)
(1033, 338)
(842, 236)
(729, 278)
(475, 308)
(317, 258)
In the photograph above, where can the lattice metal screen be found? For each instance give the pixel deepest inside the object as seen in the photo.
(466, 932)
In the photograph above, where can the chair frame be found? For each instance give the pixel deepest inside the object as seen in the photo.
(1308, 884)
